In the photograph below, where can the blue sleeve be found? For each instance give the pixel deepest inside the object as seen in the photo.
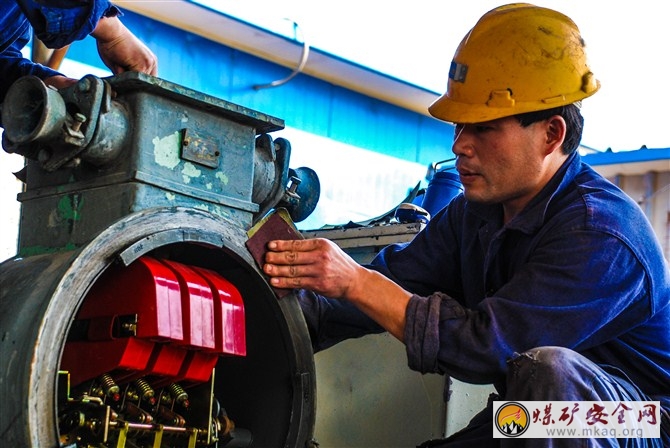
(57, 25)
(432, 260)
(331, 321)
(412, 265)
(13, 66)
(560, 296)
(62, 22)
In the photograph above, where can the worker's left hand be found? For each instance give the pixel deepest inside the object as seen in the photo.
(59, 81)
(315, 264)
(121, 50)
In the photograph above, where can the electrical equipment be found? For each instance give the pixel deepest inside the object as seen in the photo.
(133, 314)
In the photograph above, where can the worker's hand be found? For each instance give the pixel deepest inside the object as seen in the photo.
(59, 81)
(321, 266)
(121, 50)
(315, 264)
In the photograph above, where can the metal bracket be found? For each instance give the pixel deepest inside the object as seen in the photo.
(159, 239)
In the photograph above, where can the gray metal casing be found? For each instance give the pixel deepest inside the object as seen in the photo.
(183, 148)
(154, 198)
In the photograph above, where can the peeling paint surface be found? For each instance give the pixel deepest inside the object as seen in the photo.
(39, 250)
(222, 177)
(170, 196)
(53, 220)
(190, 171)
(69, 207)
(166, 150)
(221, 211)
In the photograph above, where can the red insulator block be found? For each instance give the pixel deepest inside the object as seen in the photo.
(197, 307)
(156, 319)
(229, 318)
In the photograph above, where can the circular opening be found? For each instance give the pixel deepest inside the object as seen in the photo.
(32, 111)
(24, 110)
(268, 392)
(125, 379)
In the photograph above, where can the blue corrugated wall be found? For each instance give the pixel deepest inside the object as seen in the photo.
(305, 103)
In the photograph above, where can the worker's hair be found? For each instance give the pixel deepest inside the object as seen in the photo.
(573, 120)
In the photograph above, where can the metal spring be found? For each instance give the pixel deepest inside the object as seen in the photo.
(179, 394)
(110, 388)
(145, 391)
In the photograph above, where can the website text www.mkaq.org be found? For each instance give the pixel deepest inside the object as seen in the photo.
(621, 433)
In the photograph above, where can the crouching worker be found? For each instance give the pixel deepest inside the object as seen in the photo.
(542, 278)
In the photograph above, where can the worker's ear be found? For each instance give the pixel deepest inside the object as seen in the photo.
(555, 129)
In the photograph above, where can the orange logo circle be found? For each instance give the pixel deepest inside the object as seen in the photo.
(512, 419)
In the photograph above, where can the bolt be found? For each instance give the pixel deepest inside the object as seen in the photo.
(84, 85)
(79, 119)
(93, 425)
(295, 181)
(130, 328)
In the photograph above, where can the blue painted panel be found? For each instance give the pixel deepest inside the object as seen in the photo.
(435, 140)
(640, 155)
(356, 118)
(305, 103)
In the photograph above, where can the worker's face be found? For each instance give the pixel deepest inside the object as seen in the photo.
(500, 161)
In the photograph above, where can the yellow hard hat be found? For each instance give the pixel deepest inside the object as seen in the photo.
(518, 58)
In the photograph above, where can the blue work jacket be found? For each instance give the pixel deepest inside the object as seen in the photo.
(56, 25)
(580, 267)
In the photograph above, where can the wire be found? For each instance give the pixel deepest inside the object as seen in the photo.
(649, 196)
(296, 71)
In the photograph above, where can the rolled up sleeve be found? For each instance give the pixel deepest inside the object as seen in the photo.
(13, 66)
(422, 329)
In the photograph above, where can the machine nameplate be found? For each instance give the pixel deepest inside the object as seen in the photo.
(200, 148)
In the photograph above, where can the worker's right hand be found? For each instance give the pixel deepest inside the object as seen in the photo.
(315, 264)
(321, 266)
(121, 50)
